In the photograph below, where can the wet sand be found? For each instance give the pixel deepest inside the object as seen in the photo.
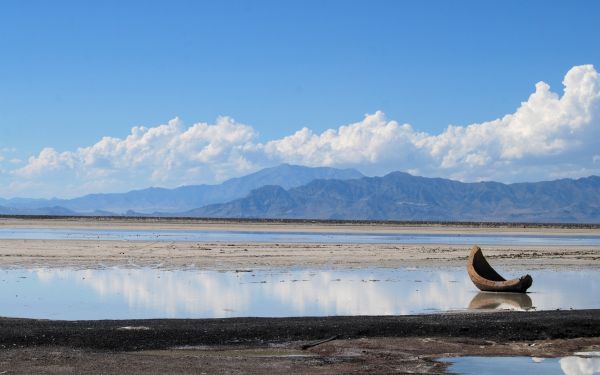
(396, 344)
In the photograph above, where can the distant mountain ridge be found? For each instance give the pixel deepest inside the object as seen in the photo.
(156, 200)
(295, 192)
(401, 196)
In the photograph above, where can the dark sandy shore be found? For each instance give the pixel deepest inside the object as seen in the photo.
(127, 335)
(374, 344)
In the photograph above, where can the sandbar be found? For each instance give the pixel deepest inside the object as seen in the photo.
(234, 255)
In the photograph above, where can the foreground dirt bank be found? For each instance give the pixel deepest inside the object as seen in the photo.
(165, 333)
(358, 356)
(391, 344)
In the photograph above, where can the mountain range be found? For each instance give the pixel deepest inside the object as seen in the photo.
(297, 192)
(401, 196)
(161, 200)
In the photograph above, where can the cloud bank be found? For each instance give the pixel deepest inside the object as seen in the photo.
(548, 136)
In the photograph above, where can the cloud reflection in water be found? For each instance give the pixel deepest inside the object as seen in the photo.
(120, 293)
(518, 365)
(580, 366)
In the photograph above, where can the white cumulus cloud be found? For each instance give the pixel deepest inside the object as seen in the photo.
(549, 135)
(168, 154)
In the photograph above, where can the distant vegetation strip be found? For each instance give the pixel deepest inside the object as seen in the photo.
(209, 220)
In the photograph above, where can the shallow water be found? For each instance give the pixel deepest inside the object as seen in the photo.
(296, 237)
(580, 364)
(120, 293)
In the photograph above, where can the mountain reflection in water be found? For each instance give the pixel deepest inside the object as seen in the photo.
(120, 293)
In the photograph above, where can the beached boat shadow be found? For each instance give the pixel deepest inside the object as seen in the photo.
(500, 300)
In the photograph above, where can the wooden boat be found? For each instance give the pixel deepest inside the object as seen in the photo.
(488, 280)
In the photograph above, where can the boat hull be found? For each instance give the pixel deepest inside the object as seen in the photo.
(487, 279)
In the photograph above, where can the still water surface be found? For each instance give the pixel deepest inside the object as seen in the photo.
(121, 293)
(297, 237)
(579, 364)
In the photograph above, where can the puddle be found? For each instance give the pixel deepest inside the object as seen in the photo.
(296, 237)
(121, 293)
(580, 364)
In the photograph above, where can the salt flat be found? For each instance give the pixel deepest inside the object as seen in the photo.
(230, 255)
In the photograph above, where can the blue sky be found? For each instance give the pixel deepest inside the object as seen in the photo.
(74, 72)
